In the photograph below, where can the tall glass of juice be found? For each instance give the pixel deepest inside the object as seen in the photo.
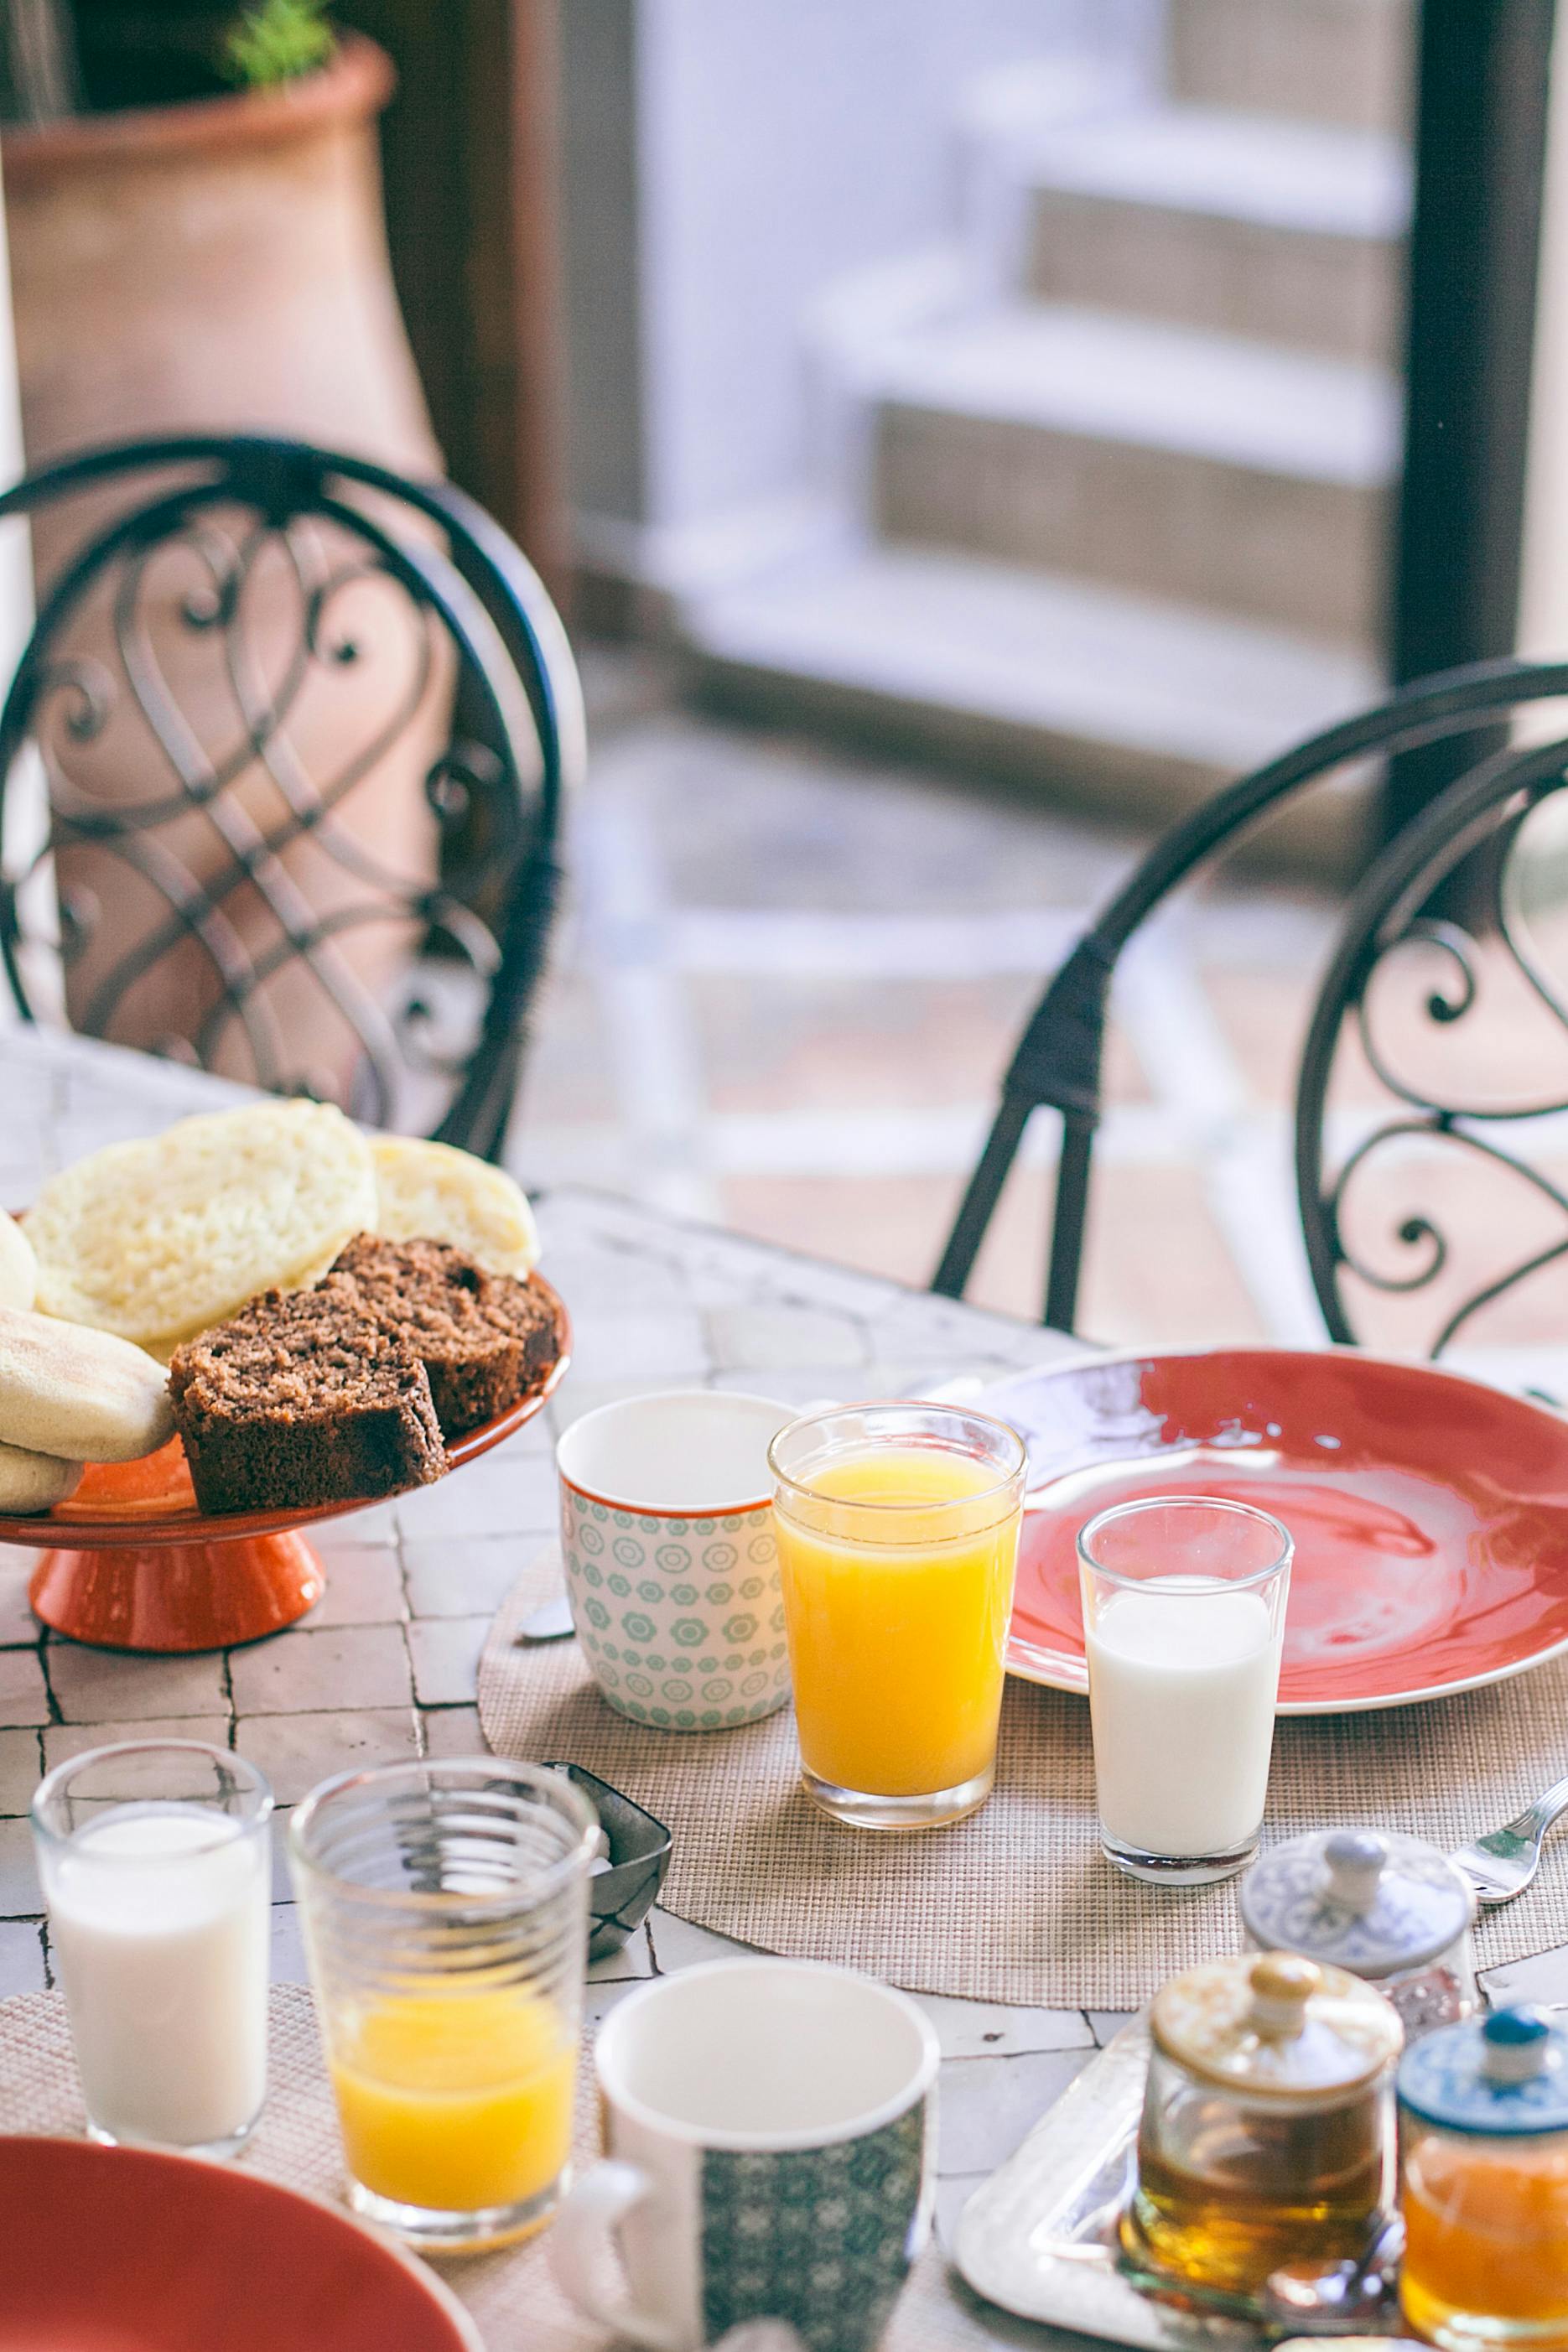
(898, 1536)
(445, 1908)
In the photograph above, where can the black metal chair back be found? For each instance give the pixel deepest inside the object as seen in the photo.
(1058, 1062)
(1454, 1000)
(306, 730)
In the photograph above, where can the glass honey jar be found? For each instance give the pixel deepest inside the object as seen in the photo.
(1389, 1908)
(1483, 2118)
(1266, 2135)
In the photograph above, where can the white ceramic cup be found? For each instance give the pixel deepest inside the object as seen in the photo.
(667, 1537)
(769, 2126)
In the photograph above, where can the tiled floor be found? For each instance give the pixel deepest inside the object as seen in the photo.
(791, 978)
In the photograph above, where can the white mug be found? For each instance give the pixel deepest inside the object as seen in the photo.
(666, 1540)
(769, 2127)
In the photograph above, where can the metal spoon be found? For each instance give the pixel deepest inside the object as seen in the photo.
(1349, 2298)
(551, 1622)
(1500, 1866)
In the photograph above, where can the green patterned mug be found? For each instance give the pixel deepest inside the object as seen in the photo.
(769, 2126)
(667, 1537)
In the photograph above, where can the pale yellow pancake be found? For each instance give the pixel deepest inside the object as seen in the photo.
(158, 1239)
(429, 1191)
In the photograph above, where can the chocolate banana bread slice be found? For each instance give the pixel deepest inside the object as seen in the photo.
(302, 1398)
(484, 1339)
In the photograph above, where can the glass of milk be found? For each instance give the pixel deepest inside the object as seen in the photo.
(155, 1859)
(1183, 1617)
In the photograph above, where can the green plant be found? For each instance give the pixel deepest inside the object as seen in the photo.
(277, 41)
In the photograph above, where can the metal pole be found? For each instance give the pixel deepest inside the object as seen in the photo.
(1481, 81)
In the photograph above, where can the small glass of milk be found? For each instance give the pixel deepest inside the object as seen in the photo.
(156, 1858)
(1183, 1617)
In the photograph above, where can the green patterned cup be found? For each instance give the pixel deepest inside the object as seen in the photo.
(667, 1537)
(769, 2126)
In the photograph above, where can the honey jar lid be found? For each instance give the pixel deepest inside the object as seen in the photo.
(1370, 1901)
(1505, 2074)
(1282, 2025)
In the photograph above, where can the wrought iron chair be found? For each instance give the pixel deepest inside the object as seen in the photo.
(282, 767)
(1407, 990)
(1058, 1062)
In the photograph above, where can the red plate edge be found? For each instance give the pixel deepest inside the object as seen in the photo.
(426, 2280)
(1065, 1670)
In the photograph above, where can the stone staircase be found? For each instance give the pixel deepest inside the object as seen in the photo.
(1103, 490)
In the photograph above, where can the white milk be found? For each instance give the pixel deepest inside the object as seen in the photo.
(1181, 1684)
(160, 1936)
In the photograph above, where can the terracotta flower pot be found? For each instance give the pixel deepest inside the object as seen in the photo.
(221, 265)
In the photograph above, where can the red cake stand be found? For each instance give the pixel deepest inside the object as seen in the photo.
(138, 1567)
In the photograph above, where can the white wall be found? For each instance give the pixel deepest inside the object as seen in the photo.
(777, 144)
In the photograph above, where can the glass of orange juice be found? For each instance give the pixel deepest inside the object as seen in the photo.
(445, 1908)
(898, 1535)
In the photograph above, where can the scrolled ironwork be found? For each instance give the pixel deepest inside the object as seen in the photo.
(1058, 1064)
(1435, 1123)
(218, 682)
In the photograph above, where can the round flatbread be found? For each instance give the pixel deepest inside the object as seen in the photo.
(34, 1482)
(158, 1239)
(431, 1193)
(79, 1394)
(19, 1267)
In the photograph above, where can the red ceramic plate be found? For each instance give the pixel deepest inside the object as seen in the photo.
(1430, 1512)
(121, 2249)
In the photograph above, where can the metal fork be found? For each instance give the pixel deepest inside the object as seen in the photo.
(1500, 1866)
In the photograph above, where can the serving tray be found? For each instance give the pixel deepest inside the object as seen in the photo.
(1039, 2236)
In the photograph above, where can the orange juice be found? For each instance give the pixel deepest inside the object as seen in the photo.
(1486, 2241)
(896, 1642)
(454, 2100)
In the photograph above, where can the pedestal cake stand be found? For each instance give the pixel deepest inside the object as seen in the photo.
(134, 1565)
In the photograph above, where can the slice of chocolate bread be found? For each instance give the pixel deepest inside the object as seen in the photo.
(484, 1339)
(302, 1399)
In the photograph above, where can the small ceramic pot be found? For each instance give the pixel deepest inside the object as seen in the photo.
(666, 1538)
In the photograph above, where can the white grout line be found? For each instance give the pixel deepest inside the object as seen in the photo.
(942, 1141)
(1251, 1191)
(880, 946)
(653, 1050)
(1186, 1056)
(1275, 935)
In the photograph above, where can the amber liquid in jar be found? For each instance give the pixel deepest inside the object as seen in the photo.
(1486, 2243)
(1232, 2191)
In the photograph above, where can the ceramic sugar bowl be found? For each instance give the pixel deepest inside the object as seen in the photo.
(1390, 1909)
(1267, 2136)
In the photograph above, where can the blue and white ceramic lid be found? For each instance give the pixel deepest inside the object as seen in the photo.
(1370, 1901)
(1505, 2074)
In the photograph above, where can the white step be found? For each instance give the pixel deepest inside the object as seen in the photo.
(1305, 176)
(1067, 369)
(1345, 61)
(1141, 708)
(1289, 232)
(1155, 458)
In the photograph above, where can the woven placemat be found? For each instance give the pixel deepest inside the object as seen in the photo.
(513, 2294)
(1016, 1904)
